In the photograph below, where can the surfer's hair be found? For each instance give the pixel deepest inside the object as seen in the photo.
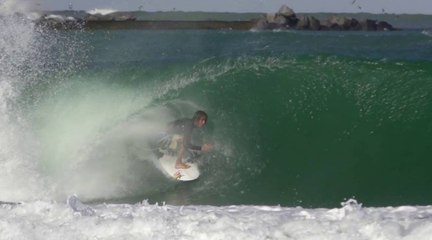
(199, 115)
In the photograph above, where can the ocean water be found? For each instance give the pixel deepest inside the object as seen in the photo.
(301, 122)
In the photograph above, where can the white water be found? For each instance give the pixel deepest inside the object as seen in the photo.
(101, 11)
(18, 61)
(72, 138)
(25, 56)
(74, 220)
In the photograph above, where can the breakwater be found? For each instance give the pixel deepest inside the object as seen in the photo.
(130, 24)
(284, 19)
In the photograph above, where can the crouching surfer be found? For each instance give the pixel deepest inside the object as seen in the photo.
(178, 137)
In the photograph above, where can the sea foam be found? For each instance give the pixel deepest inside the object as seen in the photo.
(76, 220)
(101, 11)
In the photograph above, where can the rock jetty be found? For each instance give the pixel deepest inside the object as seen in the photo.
(286, 18)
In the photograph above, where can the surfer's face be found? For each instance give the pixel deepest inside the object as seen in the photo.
(201, 122)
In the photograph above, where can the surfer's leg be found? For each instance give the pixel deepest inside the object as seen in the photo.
(180, 155)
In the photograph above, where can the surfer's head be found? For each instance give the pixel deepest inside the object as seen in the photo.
(200, 119)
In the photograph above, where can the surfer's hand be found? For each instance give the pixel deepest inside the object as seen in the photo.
(206, 147)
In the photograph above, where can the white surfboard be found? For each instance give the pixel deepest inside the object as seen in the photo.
(167, 164)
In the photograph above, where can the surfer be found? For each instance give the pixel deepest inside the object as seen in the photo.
(179, 136)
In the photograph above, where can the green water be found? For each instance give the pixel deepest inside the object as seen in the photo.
(297, 118)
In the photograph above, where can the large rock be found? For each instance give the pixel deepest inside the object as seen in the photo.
(314, 24)
(384, 26)
(286, 11)
(303, 23)
(261, 24)
(271, 21)
(368, 25)
(342, 23)
(289, 15)
(280, 20)
(276, 18)
(308, 23)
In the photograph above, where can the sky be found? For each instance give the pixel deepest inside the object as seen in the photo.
(299, 6)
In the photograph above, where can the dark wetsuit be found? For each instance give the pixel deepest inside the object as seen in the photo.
(183, 127)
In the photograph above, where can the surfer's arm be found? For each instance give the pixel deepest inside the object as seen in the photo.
(205, 147)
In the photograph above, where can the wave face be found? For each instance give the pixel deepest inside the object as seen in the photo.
(297, 118)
